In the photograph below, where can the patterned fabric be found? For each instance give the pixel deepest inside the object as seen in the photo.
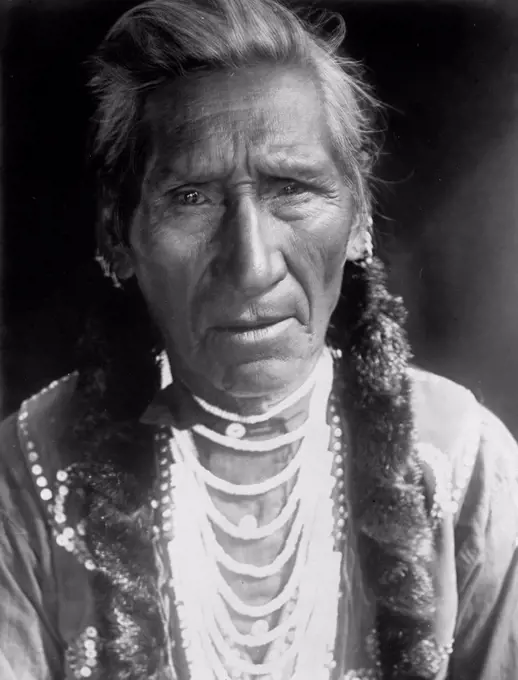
(47, 628)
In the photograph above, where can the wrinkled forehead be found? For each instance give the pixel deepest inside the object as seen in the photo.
(214, 118)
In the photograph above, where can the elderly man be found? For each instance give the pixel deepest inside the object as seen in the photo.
(231, 486)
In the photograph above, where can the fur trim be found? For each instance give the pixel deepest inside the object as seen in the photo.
(393, 533)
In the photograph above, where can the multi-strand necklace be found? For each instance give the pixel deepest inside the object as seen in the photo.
(301, 641)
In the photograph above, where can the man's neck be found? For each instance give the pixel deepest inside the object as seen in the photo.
(251, 404)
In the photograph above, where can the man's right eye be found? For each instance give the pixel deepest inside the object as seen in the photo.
(188, 197)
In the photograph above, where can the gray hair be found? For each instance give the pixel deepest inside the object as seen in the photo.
(161, 40)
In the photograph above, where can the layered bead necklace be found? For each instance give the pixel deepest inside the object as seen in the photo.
(301, 642)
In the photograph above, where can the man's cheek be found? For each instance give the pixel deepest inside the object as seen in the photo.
(328, 263)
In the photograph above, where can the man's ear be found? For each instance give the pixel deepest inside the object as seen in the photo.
(122, 259)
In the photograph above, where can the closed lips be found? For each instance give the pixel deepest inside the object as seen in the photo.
(250, 324)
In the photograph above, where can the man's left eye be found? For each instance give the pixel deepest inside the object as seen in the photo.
(292, 188)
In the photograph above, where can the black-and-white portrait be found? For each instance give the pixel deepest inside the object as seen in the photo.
(259, 327)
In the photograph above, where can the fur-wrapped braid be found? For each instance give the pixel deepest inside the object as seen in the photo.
(393, 533)
(387, 505)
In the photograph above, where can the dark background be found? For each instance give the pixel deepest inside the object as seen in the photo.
(448, 207)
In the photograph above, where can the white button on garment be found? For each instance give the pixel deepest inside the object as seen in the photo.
(235, 430)
(260, 627)
(248, 523)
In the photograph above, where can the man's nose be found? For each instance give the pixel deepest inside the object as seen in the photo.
(253, 261)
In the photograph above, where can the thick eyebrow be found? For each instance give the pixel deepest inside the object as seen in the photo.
(191, 167)
(306, 167)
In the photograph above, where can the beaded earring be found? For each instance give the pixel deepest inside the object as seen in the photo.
(368, 252)
(361, 249)
(368, 243)
(107, 270)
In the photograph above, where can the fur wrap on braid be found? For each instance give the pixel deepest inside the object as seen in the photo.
(118, 378)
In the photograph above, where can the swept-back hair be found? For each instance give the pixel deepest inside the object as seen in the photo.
(149, 46)
(160, 41)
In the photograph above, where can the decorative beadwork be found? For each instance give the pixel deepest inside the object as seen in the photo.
(82, 655)
(23, 427)
(363, 674)
(54, 496)
(236, 430)
(373, 649)
(251, 446)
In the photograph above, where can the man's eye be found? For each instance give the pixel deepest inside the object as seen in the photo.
(189, 197)
(291, 188)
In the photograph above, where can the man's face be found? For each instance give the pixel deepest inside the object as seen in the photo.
(240, 237)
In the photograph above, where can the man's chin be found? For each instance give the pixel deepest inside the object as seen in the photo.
(264, 376)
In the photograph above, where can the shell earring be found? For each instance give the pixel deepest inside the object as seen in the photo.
(107, 270)
(361, 249)
(368, 251)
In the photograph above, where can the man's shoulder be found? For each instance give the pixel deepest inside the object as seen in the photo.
(454, 430)
(51, 398)
(433, 389)
(33, 432)
(445, 412)
(29, 458)
(448, 428)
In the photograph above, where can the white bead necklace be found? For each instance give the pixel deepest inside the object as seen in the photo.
(251, 570)
(252, 446)
(307, 478)
(220, 613)
(306, 605)
(291, 541)
(255, 533)
(214, 607)
(286, 403)
(198, 578)
(208, 633)
(183, 442)
(277, 602)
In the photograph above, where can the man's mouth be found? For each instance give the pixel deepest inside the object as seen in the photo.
(243, 325)
(252, 331)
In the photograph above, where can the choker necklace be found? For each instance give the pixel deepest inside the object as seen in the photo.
(233, 439)
(251, 445)
(286, 403)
